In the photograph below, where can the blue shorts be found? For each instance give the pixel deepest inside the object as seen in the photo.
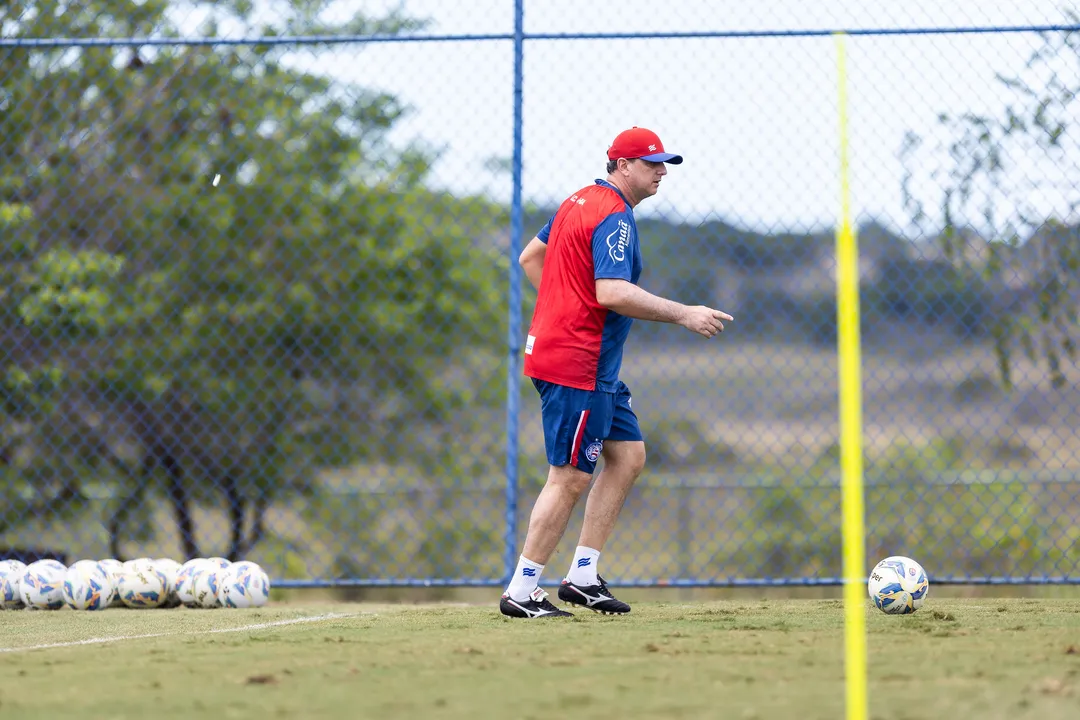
(577, 422)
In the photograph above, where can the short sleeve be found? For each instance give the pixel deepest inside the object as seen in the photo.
(613, 245)
(546, 230)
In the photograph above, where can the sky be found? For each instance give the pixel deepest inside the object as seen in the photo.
(756, 119)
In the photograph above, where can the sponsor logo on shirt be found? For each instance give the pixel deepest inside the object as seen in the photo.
(617, 245)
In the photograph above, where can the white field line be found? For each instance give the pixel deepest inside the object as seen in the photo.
(242, 628)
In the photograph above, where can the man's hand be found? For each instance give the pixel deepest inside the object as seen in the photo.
(631, 301)
(704, 320)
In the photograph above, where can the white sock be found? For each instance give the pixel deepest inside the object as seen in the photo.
(525, 579)
(583, 569)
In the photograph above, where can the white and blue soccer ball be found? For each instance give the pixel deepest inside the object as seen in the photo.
(898, 585)
(42, 585)
(171, 568)
(205, 583)
(11, 572)
(142, 585)
(112, 566)
(244, 585)
(185, 581)
(87, 586)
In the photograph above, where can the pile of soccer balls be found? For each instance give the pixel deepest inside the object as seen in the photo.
(143, 583)
(898, 585)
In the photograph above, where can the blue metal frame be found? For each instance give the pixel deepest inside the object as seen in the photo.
(677, 582)
(518, 36)
(513, 363)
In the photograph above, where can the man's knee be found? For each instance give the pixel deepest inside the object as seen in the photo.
(637, 458)
(628, 456)
(570, 478)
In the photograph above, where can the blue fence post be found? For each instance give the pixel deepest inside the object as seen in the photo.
(513, 369)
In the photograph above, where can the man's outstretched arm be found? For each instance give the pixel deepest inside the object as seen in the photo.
(628, 299)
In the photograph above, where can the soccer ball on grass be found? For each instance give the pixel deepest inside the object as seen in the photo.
(11, 572)
(244, 585)
(42, 585)
(898, 585)
(87, 586)
(142, 585)
(185, 581)
(205, 583)
(171, 568)
(112, 566)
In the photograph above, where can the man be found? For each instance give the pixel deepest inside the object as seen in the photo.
(585, 263)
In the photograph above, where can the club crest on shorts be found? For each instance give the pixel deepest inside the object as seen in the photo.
(593, 451)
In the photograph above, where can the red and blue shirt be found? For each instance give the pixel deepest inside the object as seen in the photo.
(574, 340)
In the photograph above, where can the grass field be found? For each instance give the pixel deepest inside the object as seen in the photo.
(742, 659)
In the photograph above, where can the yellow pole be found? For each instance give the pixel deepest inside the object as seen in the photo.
(851, 458)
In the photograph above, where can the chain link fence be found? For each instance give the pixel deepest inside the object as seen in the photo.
(254, 295)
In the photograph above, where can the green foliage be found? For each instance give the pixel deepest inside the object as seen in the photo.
(675, 442)
(987, 528)
(67, 292)
(30, 393)
(1012, 451)
(932, 292)
(922, 499)
(792, 534)
(910, 462)
(12, 215)
(420, 532)
(317, 307)
(976, 529)
(991, 173)
(978, 387)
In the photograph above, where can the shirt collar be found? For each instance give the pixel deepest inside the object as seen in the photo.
(605, 183)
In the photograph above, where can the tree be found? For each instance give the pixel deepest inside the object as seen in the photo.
(1009, 201)
(310, 309)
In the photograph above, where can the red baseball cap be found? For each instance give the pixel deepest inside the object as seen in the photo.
(640, 143)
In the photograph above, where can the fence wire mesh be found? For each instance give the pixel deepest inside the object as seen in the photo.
(253, 294)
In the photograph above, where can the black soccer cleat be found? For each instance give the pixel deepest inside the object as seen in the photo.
(537, 606)
(593, 597)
